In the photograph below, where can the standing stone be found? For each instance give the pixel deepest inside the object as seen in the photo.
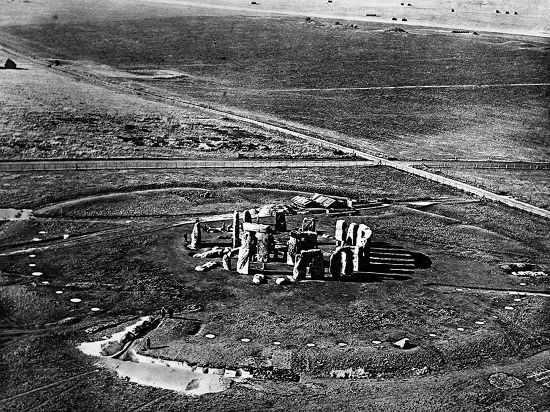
(341, 262)
(312, 259)
(247, 217)
(300, 267)
(335, 263)
(10, 64)
(361, 252)
(280, 252)
(347, 261)
(262, 254)
(271, 246)
(226, 261)
(308, 240)
(317, 264)
(196, 236)
(308, 224)
(243, 261)
(351, 237)
(280, 221)
(236, 241)
(341, 233)
(293, 248)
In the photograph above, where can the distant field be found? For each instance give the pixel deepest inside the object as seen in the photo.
(513, 16)
(531, 186)
(249, 62)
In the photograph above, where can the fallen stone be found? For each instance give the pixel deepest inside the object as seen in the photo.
(258, 278)
(206, 266)
(516, 267)
(505, 382)
(216, 251)
(403, 344)
(421, 371)
(287, 280)
(530, 273)
(256, 227)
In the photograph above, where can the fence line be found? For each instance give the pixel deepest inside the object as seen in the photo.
(486, 165)
(116, 164)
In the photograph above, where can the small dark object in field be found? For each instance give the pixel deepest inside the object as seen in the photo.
(460, 31)
(409, 4)
(56, 62)
(329, 1)
(394, 18)
(403, 19)
(402, 4)
(370, 14)
(452, 10)
(10, 64)
(253, 2)
(337, 23)
(507, 12)
(55, 17)
(308, 19)
(498, 11)
(396, 30)
(475, 33)
(515, 12)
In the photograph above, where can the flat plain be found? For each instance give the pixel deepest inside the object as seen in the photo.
(108, 79)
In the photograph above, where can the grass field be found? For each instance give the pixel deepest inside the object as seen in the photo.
(261, 64)
(125, 257)
(46, 115)
(531, 186)
(38, 190)
(139, 274)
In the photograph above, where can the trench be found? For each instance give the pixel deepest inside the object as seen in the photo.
(178, 376)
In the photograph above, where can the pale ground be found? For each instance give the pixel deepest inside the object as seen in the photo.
(533, 16)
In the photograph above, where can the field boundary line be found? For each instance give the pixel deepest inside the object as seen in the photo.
(405, 87)
(116, 164)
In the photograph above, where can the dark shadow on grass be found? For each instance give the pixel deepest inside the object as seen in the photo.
(368, 277)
